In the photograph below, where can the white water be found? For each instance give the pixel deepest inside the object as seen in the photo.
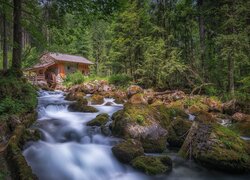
(70, 150)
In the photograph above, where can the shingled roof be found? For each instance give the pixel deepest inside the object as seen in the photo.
(69, 58)
(49, 59)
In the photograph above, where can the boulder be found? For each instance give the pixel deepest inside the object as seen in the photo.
(100, 120)
(137, 99)
(145, 123)
(178, 131)
(215, 146)
(75, 96)
(133, 89)
(127, 150)
(153, 165)
(97, 99)
(81, 106)
(241, 117)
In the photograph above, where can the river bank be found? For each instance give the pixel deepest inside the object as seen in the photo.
(74, 149)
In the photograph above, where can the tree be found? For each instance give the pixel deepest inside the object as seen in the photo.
(17, 35)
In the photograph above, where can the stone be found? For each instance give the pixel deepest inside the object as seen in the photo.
(240, 117)
(127, 150)
(217, 147)
(153, 165)
(133, 89)
(97, 99)
(81, 106)
(100, 120)
(178, 131)
(137, 99)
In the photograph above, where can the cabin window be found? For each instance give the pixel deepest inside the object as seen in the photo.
(41, 71)
(68, 67)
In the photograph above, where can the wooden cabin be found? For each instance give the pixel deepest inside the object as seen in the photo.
(54, 67)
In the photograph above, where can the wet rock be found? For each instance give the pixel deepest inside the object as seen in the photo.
(127, 150)
(30, 135)
(97, 99)
(243, 128)
(153, 165)
(76, 96)
(134, 89)
(178, 131)
(81, 106)
(100, 120)
(145, 123)
(215, 146)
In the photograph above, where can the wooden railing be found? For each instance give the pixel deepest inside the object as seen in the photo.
(34, 78)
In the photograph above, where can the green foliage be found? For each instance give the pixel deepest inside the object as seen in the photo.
(74, 78)
(140, 119)
(120, 80)
(16, 96)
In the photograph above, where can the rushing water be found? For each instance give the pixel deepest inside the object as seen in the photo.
(70, 150)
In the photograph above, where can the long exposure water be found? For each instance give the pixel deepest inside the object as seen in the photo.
(70, 150)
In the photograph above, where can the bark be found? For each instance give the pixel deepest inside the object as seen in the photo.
(17, 36)
(5, 46)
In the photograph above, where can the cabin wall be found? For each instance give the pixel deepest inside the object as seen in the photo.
(84, 68)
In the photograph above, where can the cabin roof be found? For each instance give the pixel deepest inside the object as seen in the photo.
(49, 59)
(70, 58)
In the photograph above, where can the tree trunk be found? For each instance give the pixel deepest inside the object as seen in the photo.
(5, 46)
(17, 36)
(202, 35)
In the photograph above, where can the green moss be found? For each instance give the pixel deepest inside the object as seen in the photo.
(242, 128)
(81, 106)
(154, 145)
(16, 96)
(16, 162)
(152, 165)
(127, 150)
(133, 112)
(167, 115)
(140, 119)
(100, 120)
(178, 131)
(97, 99)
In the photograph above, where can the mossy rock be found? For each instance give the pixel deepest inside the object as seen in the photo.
(167, 115)
(100, 120)
(16, 162)
(31, 135)
(178, 131)
(127, 150)
(81, 106)
(154, 145)
(75, 96)
(97, 99)
(217, 147)
(243, 128)
(137, 99)
(153, 165)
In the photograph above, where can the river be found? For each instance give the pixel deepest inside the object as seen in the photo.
(70, 150)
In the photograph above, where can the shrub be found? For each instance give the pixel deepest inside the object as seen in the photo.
(120, 80)
(16, 95)
(74, 78)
